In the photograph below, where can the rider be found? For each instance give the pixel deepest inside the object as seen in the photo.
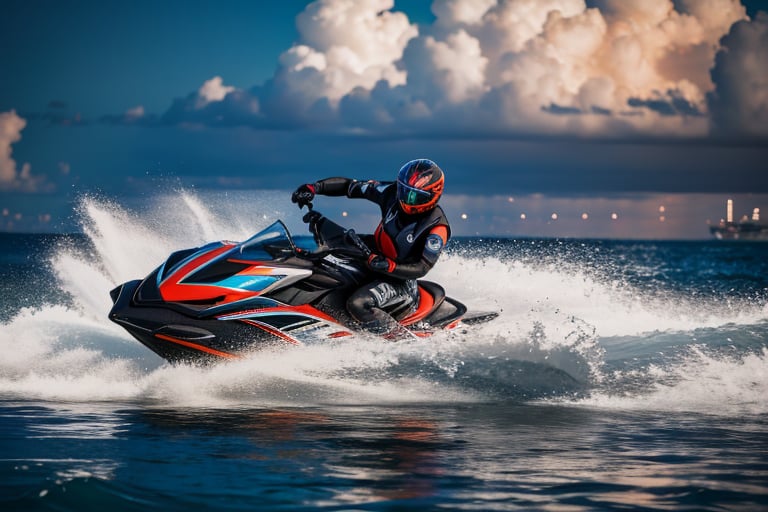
(405, 245)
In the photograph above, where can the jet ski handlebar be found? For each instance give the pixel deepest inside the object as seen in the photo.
(355, 240)
(330, 237)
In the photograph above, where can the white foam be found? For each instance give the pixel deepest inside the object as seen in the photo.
(555, 294)
(550, 315)
(701, 382)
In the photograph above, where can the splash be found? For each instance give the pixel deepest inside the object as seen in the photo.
(545, 342)
(701, 381)
(557, 292)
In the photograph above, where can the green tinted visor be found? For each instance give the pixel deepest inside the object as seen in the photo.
(411, 196)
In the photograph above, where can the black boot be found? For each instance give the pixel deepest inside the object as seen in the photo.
(388, 328)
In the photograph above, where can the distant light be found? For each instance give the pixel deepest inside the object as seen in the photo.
(662, 218)
(662, 209)
(344, 214)
(756, 214)
(522, 216)
(464, 216)
(584, 216)
(554, 216)
(511, 199)
(6, 212)
(614, 216)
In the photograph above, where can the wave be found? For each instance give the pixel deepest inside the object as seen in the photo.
(549, 341)
(714, 383)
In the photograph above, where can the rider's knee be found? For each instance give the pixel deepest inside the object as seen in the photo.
(360, 304)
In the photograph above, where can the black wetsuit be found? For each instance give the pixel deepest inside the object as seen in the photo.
(411, 245)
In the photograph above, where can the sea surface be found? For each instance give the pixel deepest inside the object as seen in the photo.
(619, 375)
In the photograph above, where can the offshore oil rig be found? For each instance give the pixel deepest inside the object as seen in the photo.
(746, 228)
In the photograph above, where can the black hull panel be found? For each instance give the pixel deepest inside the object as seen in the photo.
(179, 338)
(226, 299)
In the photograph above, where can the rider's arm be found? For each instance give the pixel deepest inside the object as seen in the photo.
(435, 241)
(333, 186)
(371, 190)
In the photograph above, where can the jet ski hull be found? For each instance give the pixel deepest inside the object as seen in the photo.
(226, 300)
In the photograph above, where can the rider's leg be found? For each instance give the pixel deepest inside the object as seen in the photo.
(367, 303)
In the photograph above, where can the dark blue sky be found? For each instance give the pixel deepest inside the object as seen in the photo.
(104, 57)
(127, 99)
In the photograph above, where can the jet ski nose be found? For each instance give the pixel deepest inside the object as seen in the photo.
(115, 293)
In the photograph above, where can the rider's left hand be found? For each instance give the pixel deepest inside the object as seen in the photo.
(379, 263)
(303, 195)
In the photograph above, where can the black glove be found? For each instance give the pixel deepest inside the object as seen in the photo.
(303, 195)
(313, 218)
(379, 263)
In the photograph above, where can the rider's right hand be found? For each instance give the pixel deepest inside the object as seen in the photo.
(303, 195)
(311, 218)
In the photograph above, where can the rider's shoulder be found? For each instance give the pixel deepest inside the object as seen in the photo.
(438, 212)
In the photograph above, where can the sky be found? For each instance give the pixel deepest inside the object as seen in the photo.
(566, 118)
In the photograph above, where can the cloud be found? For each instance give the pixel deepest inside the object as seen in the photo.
(135, 112)
(349, 44)
(133, 116)
(610, 68)
(11, 126)
(739, 104)
(212, 90)
(216, 104)
(57, 113)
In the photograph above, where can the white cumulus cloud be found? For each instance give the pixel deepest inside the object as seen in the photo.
(11, 126)
(566, 67)
(212, 90)
(351, 43)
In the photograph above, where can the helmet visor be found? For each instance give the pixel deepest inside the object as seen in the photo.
(412, 196)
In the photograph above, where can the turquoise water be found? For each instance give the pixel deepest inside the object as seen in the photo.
(618, 376)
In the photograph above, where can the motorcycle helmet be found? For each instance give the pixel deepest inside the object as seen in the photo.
(419, 186)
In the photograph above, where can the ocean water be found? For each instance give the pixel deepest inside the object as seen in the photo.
(618, 376)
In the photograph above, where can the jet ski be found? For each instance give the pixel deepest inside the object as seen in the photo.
(226, 299)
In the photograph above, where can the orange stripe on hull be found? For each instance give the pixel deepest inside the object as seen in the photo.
(201, 348)
(271, 330)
